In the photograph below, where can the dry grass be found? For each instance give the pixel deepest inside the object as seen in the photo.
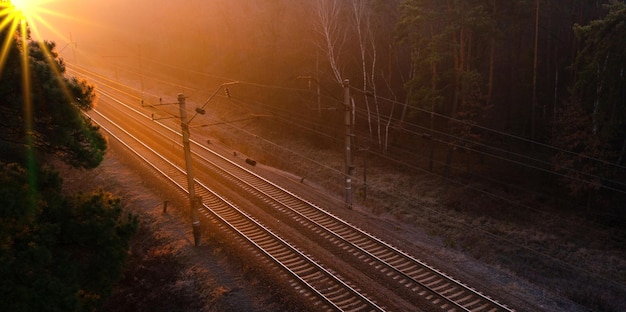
(562, 253)
(164, 271)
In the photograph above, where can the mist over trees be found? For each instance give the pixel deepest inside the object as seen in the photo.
(515, 86)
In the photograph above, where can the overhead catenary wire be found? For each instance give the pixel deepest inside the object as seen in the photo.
(527, 140)
(472, 227)
(229, 123)
(290, 116)
(285, 117)
(517, 162)
(512, 136)
(299, 124)
(459, 121)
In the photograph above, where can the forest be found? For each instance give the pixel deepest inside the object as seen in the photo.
(529, 92)
(526, 96)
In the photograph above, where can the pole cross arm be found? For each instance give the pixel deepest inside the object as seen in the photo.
(201, 108)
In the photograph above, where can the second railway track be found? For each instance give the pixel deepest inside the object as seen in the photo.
(328, 290)
(414, 279)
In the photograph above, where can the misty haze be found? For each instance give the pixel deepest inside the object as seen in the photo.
(307, 155)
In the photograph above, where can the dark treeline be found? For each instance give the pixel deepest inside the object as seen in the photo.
(59, 250)
(537, 81)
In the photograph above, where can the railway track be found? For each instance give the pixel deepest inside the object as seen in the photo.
(329, 291)
(391, 263)
(412, 276)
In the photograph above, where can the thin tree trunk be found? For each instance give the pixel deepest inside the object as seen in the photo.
(358, 11)
(373, 84)
(492, 53)
(386, 142)
(328, 12)
(534, 100)
(457, 76)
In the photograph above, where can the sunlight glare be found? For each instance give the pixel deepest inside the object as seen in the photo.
(24, 16)
(18, 13)
(21, 5)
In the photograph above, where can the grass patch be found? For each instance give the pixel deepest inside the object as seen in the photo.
(500, 224)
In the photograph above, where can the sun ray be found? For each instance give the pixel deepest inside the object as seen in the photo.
(31, 14)
(31, 162)
(6, 45)
(18, 20)
(45, 24)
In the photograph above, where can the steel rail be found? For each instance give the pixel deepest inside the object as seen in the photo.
(326, 286)
(455, 294)
(444, 287)
(441, 289)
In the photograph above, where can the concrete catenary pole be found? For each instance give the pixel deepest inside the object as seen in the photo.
(193, 200)
(348, 125)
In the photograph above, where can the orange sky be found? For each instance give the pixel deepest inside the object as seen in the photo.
(112, 26)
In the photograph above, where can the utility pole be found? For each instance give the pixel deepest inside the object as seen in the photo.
(140, 69)
(348, 124)
(534, 99)
(367, 155)
(317, 71)
(193, 200)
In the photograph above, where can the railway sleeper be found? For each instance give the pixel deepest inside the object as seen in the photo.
(315, 276)
(284, 254)
(439, 288)
(407, 267)
(336, 292)
(483, 307)
(300, 268)
(459, 293)
(422, 277)
(434, 283)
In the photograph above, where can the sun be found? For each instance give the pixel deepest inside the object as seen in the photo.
(18, 10)
(21, 15)
(30, 11)
(21, 5)
(21, 20)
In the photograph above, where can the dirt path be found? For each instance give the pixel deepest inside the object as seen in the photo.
(165, 271)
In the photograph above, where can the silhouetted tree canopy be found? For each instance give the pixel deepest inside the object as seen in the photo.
(593, 123)
(58, 252)
(58, 126)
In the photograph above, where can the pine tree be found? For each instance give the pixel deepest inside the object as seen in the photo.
(57, 252)
(593, 124)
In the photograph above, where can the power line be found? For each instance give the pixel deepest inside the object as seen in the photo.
(298, 123)
(494, 130)
(479, 229)
(238, 128)
(540, 161)
(290, 116)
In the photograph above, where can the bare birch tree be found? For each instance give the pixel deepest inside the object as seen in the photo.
(361, 20)
(361, 17)
(333, 35)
